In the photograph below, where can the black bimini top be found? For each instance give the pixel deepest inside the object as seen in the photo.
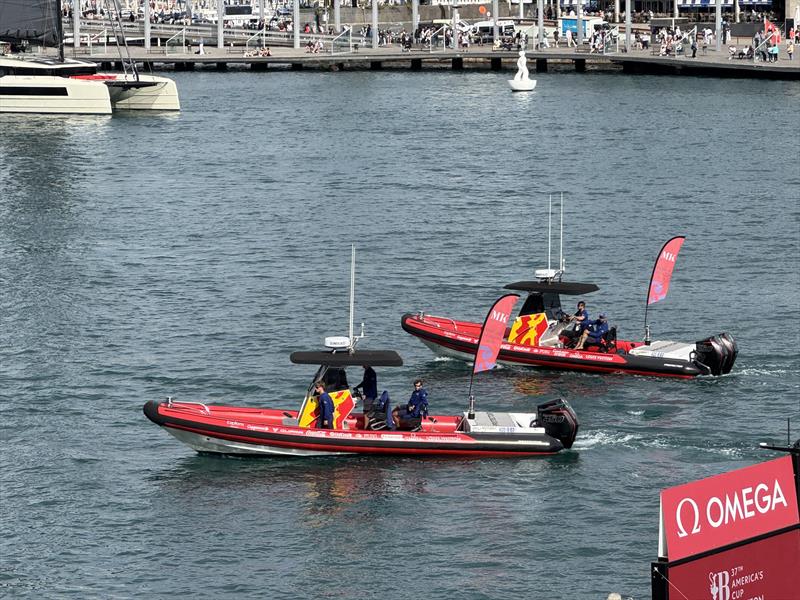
(555, 287)
(374, 358)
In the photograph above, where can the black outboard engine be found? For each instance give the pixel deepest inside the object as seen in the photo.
(559, 421)
(716, 355)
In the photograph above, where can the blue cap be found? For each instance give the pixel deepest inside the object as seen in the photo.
(602, 315)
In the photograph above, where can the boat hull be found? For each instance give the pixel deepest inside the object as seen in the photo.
(458, 339)
(266, 432)
(43, 94)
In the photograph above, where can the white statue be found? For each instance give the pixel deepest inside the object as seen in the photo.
(521, 82)
(522, 67)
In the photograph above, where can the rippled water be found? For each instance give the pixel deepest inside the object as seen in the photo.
(188, 255)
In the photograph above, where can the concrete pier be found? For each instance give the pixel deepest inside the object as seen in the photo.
(640, 62)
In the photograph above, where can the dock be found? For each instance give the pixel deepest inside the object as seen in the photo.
(713, 64)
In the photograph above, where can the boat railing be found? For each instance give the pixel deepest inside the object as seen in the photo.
(344, 41)
(423, 317)
(177, 40)
(171, 404)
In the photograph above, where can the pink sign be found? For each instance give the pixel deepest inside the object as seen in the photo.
(728, 508)
(494, 329)
(662, 272)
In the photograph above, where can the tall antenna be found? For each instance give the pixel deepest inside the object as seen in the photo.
(561, 238)
(352, 289)
(549, 221)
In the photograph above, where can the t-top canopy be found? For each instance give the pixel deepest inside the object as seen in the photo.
(374, 358)
(555, 287)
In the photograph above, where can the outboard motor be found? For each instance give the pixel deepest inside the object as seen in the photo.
(716, 355)
(559, 421)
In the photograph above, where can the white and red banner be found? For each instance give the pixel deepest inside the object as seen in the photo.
(493, 332)
(728, 508)
(662, 271)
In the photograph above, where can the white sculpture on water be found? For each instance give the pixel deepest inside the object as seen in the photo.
(521, 83)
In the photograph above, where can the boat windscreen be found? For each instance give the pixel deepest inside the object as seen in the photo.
(374, 358)
(547, 303)
(555, 287)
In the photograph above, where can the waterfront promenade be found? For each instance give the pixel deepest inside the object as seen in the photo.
(711, 63)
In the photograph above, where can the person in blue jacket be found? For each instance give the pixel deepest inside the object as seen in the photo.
(325, 403)
(581, 315)
(369, 386)
(410, 416)
(594, 332)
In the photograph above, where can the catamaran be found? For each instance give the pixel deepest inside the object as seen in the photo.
(59, 85)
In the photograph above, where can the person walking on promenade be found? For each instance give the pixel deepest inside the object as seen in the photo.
(790, 49)
(555, 38)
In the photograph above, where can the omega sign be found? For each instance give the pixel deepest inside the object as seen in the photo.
(728, 508)
(738, 505)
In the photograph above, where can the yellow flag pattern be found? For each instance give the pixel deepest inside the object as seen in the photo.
(528, 329)
(343, 405)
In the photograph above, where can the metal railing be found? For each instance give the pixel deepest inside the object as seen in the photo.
(91, 39)
(431, 44)
(758, 49)
(173, 42)
(344, 40)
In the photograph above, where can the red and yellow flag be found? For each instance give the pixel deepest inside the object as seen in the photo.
(343, 405)
(528, 329)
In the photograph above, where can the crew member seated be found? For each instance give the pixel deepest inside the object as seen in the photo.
(409, 417)
(594, 332)
(580, 317)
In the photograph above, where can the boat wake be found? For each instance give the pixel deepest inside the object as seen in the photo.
(593, 439)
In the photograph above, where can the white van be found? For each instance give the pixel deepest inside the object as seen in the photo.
(485, 29)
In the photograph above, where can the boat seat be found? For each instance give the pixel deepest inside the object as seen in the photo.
(379, 416)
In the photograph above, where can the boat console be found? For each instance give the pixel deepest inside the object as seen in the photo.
(490, 422)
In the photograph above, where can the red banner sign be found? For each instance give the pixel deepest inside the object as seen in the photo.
(494, 329)
(767, 569)
(662, 272)
(729, 508)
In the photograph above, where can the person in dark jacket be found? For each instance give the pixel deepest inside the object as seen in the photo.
(325, 403)
(369, 387)
(409, 417)
(594, 332)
